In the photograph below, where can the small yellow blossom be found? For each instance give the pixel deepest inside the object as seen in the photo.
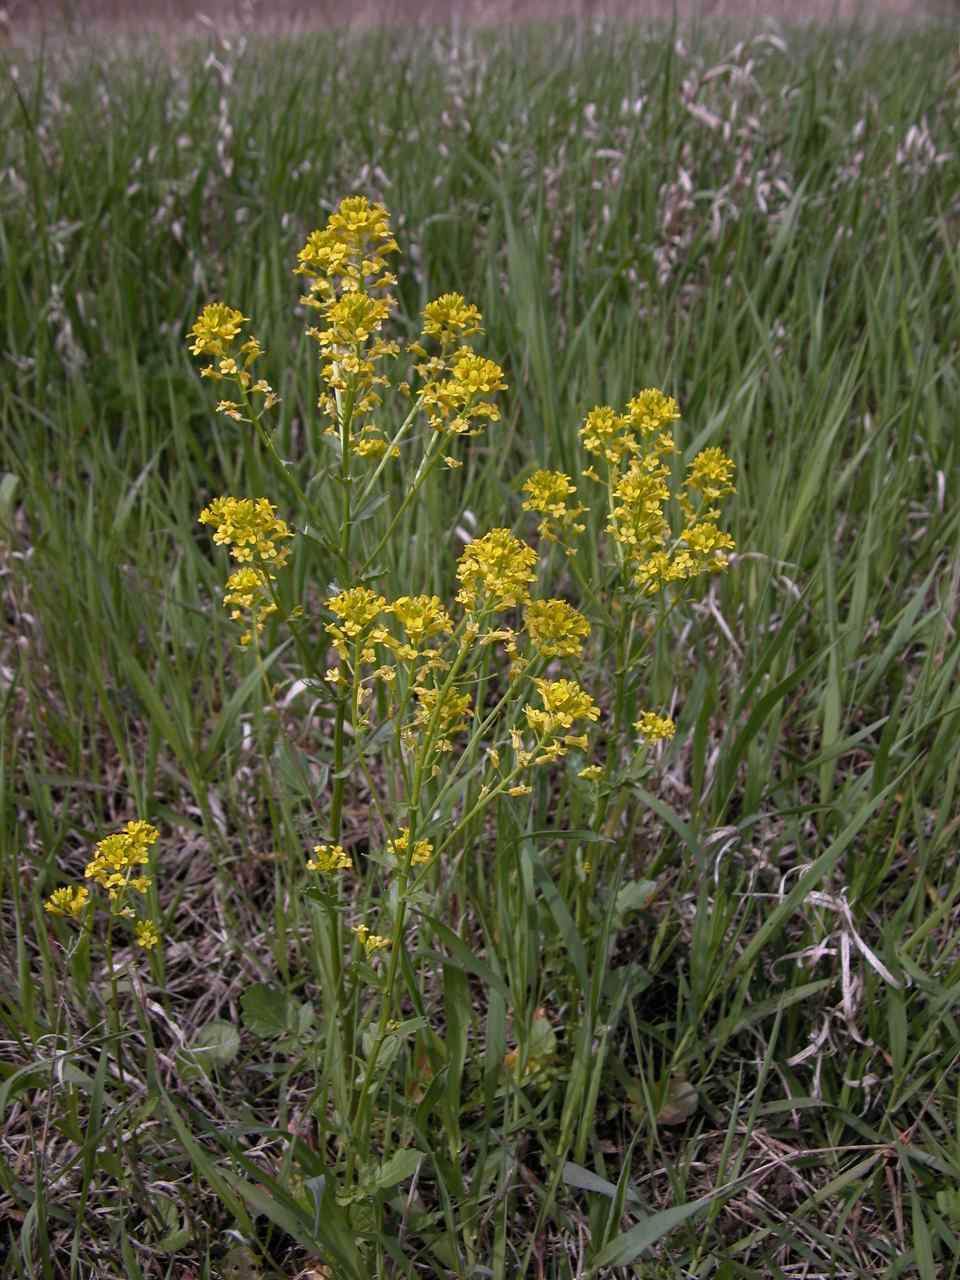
(495, 571)
(592, 773)
(248, 588)
(358, 609)
(708, 545)
(650, 411)
(249, 527)
(329, 859)
(146, 933)
(68, 901)
(548, 493)
(603, 433)
(447, 711)
(118, 854)
(421, 617)
(711, 473)
(351, 248)
(454, 402)
(215, 329)
(564, 701)
(422, 849)
(521, 789)
(654, 728)
(371, 942)
(449, 317)
(637, 520)
(555, 628)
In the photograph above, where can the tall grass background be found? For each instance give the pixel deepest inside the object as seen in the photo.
(765, 224)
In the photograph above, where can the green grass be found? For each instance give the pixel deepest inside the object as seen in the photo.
(772, 1023)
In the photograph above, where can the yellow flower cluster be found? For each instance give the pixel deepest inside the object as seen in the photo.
(215, 329)
(564, 702)
(371, 942)
(146, 933)
(214, 334)
(68, 901)
(250, 527)
(252, 530)
(450, 319)
(117, 855)
(495, 572)
(447, 710)
(711, 473)
(328, 859)
(548, 493)
(358, 609)
(636, 445)
(637, 520)
(249, 589)
(349, 254)
(113, 867)
(555, 628)
(615, 436)
(654, 728)
(455, 396)
(421, 618)
(457, 383)
(400, 848)
(346, 266)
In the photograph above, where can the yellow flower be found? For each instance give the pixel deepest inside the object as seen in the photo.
(637, 520)
(146, 933)
(329, 859)
(592, 773)
(450, 317)
(118, 854)
(421, 617)
(351, 248)
(564, 701)
(555, 628)
(495, 571)
(371, 942)
(654, 728)
(708, 545)
(346, 266)
(358, 609)
(548, 493)
(603, 433)
(248, 588)
(615, 436)
(215, 329)
(650, 411)
(422, 849)
(449, 712)
(711, 472)
(249, 527)
(351, 320)
(454, 402)
(68, 901)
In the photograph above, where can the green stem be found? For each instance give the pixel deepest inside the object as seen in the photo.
(427, 464)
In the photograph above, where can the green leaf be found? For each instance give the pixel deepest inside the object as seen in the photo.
(215, 1044)
(402, 1164)
(9, 483)
(574, 1175)
(634, 896)
(630, 1245)
(267, 1011)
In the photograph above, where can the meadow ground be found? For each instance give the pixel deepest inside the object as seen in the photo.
(690, 1014)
